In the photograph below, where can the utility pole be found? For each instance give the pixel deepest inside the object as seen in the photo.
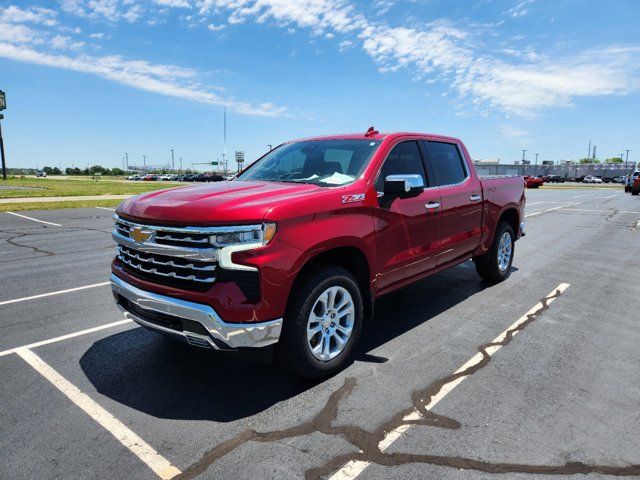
(536, 169)
(181, 164)
(224, 153)
(173, 162)
(144, 162)
(594, 152)
(589, 152)
(3, 106)
(627, 159)
(126, 156)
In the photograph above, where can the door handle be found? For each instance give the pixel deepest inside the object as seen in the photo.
(432, 205)
(475, 197)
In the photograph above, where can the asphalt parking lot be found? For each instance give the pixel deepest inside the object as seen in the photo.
(442, 387)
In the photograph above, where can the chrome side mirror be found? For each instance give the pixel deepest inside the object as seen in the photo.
(403, 186)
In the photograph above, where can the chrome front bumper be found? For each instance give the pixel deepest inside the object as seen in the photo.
(523, 228)
(217, 334)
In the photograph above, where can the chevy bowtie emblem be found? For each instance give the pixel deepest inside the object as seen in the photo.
(140, 235)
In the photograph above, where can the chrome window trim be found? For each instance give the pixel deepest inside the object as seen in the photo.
(465, 166)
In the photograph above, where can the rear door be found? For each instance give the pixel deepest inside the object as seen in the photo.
(460, 198)
(407, 229)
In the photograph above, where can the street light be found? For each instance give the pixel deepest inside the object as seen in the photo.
(3, 106)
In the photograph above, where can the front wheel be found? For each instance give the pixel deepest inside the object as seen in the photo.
(495, 265)
(322, 323)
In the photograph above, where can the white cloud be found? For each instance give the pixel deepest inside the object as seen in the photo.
(216, 28)
(520, 9)
(60, 42)
(441, 51)
(14, 14)
(173, 3)
(161, 79)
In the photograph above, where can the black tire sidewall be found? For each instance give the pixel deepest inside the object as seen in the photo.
(294, 349)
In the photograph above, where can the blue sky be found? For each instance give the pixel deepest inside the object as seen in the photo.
(88, 80)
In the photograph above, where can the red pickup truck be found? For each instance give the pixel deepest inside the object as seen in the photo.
(291, 255)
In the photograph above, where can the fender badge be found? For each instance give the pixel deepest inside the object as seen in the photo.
(358, 197)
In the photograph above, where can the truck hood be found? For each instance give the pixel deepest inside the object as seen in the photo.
(213, 203)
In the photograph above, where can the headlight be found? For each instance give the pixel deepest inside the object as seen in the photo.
(244, 235)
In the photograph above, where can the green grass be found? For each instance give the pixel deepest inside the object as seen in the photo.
(69, 187)
(16, 207)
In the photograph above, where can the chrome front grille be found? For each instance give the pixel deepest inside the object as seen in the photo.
(167, 266)
(180, 256)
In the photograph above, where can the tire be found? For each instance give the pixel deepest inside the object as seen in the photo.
(309, 302)
(635, 192)
(488, 265)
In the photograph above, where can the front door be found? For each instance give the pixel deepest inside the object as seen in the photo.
(407, 229)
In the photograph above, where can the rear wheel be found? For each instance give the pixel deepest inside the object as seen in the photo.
(635, 191)
(322, 324)
(495, 265)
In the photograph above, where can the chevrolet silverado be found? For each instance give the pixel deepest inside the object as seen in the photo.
(290, 256)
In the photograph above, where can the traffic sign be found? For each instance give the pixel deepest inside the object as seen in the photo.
(239, 157)
(214, 163)
(3, 101)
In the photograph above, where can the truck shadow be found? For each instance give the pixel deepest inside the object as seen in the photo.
(159, 377)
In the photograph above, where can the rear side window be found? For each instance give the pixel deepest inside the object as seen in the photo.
(404, 158)
(445, 162)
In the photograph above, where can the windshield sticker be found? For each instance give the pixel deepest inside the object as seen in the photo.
(338, 179)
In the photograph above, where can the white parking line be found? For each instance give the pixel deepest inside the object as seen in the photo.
(59, 292)
(534, 203)
(34, 219)
(583, 195)
(106, 208)
(145, 452)
(552, 209)
(67, 336)
(355, 467)
(611, 196)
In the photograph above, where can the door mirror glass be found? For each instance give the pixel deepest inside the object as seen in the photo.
(403, 186)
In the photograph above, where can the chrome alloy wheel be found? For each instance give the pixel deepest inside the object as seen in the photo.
(330, 323)
(505, 249)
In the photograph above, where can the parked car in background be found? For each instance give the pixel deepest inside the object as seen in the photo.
(532, 182)
(554, 179)
(291, 255)
(592, 179)
(629, 180)
(167, 177)
(635, 186)
(41, 174)
(618, 179)
(150, 178)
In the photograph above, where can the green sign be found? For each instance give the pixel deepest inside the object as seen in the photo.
(214, 163)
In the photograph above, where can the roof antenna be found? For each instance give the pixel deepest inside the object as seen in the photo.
(371, 132)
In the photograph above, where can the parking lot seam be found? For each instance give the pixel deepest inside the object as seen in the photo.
(145, 452)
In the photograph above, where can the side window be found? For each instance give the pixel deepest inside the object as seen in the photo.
(446, 163)
(404, 158)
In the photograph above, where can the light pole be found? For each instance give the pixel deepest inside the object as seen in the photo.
(536, 168)
(3, 106)
(126, 156)
(173, 162)
(144, 162)
(181, 164)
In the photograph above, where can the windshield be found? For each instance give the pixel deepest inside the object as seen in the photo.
(327, 163)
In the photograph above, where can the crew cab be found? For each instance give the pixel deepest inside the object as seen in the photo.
(290, 256)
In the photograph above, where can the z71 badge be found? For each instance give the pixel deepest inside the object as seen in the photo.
(359, 197)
